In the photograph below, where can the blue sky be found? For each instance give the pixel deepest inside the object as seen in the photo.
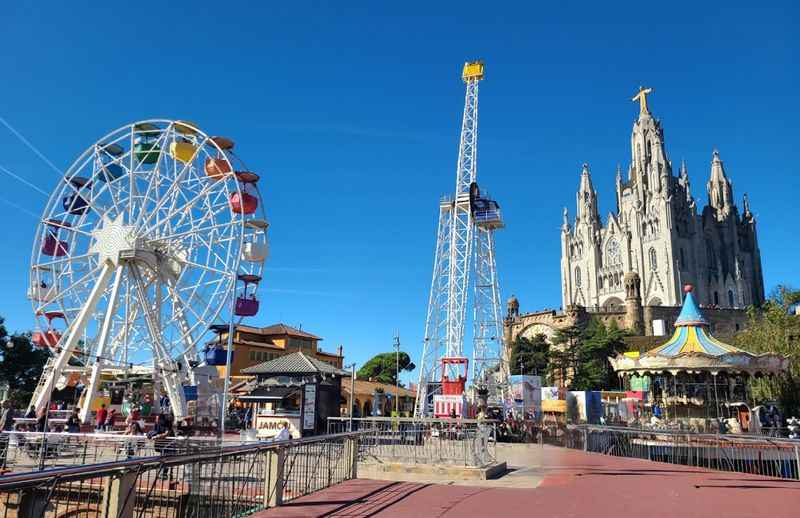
(351, 114)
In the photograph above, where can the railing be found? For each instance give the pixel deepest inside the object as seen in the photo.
(759, 455)
(227, 482)
(457, 442)
(26, 451)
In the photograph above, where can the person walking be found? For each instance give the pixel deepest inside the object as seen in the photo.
(101, 416)
(74, 422)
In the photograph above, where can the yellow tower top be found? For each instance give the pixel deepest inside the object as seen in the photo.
(472, 70)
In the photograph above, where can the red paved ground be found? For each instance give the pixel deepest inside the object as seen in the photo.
(576, 484)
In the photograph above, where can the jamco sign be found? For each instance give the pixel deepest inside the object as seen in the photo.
(269, 426)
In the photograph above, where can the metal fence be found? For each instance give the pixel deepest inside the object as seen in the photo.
(225, 482)
(26, 451)
(772, 457)
(456, 442)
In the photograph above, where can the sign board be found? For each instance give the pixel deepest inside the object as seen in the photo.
(269, 425)
(442, 405)
(309, 406)
(527, 393)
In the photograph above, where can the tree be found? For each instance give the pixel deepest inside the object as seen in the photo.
(21, 365)
(772, 329)
(532, 355)
(383, 367)
(581, 353)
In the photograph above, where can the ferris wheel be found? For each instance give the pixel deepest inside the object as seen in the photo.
(154, 236)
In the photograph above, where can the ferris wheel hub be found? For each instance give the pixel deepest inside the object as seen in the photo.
(112, 238)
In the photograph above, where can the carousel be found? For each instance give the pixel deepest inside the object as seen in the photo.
(695, 379)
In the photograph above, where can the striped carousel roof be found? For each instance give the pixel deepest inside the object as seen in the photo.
(693, 349)
(691, 334)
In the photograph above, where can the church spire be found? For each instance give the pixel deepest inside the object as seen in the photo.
(746, 208)
(683, 180)
(720, 191)
(587, 198)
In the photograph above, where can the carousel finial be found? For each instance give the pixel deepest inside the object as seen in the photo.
(687, 288)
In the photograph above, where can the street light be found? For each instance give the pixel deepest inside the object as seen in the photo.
(397, 374)
(352, 390)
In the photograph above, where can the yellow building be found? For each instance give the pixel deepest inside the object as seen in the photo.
(254, 345)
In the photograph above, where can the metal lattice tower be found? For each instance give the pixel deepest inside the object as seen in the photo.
(465, 239)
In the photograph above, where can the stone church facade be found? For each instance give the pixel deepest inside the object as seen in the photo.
(658, 233)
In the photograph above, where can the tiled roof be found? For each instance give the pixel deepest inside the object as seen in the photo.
(294, 363)
(364, 387)
(277, 329)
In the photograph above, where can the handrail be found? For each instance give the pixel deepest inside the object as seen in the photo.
(426, 420)
(722, 436)
(30, 479)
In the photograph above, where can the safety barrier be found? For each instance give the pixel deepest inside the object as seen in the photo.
(456, 442)
(767, 456)
(225, 482)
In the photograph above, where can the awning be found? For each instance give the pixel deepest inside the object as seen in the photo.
(270, 393)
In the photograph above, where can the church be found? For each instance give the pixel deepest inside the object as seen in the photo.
(657, 240)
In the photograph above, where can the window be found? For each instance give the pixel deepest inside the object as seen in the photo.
(600, 283)
(683, 260)
(653, 259)
(716, 298)
(577, 276)
(252, 356)
(730, 298)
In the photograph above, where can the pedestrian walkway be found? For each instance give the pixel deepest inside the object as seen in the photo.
(556, 482)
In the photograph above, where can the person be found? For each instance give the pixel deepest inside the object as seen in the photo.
(453, 413)
(133, 429)
(31, 413)
(41, 421)
(6, 425)
(74, 422)
(101, 416)
(162, 436)
(112, 415)
(283, 433)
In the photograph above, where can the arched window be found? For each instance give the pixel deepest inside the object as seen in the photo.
(600, 283)
(730, 298)
(577, 276)
(653, 259)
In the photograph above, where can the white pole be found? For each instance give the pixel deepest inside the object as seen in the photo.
(228, 359)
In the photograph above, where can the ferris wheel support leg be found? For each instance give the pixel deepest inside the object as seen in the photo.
(163, 367)
(94, 380)
(74, 335)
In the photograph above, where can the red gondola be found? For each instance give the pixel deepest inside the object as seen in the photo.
(74, 203)
(245, 202)
(247, 304)
(52, 245)
(51, 336)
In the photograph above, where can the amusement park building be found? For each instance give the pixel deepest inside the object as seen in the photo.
(255, 345)
(659, 233)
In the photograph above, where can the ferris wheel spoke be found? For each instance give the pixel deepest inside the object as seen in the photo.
(176, 181)
(68, 259)
(70, 289)
(188, 205)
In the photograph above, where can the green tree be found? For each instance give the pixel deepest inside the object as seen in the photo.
(581, 354)
(20, 365)
(530, 356)
(383, 367)
(772, 329)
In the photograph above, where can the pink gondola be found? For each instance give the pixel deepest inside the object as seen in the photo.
(246, 303)
(52, 245)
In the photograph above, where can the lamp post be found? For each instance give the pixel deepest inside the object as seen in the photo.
(397, 374)
(352, 391)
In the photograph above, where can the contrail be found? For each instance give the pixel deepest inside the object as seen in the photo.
(18, 207)
(31, 146)
(23, 180)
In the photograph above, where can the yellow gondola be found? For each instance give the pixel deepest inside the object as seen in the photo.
(183, 151)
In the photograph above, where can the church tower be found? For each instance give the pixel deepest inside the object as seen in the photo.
(657, 234)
